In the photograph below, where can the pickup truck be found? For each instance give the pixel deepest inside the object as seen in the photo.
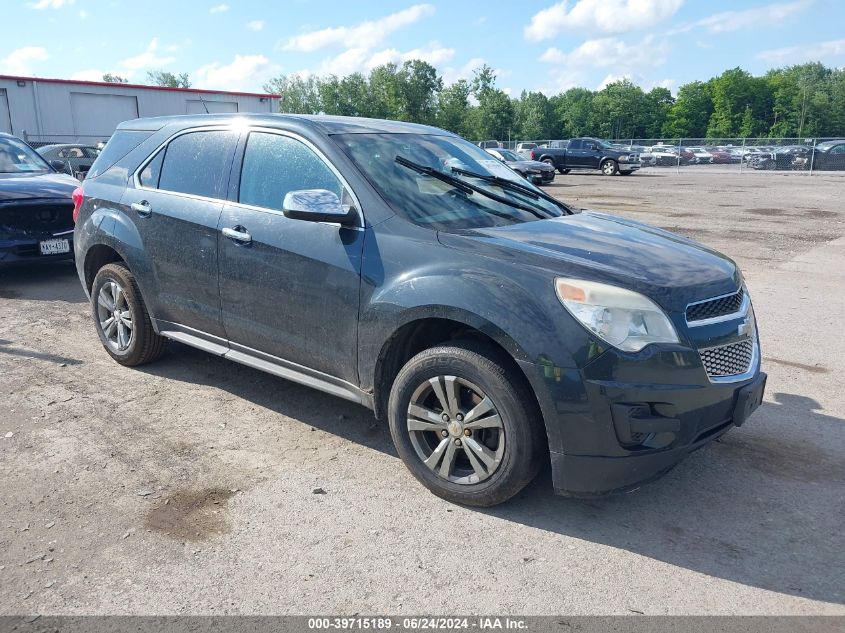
(587, 153)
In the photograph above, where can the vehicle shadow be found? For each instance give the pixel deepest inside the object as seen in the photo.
(56, 281)
(345, 419)
(6, 347)
(761, 506)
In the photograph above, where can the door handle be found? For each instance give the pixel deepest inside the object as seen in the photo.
(238, 233)
(143, 208)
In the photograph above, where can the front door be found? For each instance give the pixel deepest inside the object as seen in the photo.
(289, 288)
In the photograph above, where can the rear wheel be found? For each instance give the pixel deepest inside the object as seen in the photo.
(563, 171)
(121, 318)
(609, 167)
(464, 424)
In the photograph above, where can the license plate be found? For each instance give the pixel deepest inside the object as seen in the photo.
(54, 247)
(748, 399)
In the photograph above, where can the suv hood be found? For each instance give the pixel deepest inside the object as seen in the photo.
(35, 186)
(610, 249)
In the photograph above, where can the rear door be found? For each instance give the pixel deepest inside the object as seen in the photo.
(176, 205)
(289, 288)
(577, 154)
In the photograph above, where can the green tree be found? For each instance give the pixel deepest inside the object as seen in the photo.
(114, 79)
(494, 116)
(741, 103)
(419, 84)
(689, 116)
(298, 95)
(453, 111)
(168, 79)
(572, 109)
(619, 111)
(534, 116)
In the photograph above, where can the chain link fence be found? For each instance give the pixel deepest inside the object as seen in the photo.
(719, 155)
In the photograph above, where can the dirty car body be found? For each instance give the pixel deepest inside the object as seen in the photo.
(493, 326)
(36, 223)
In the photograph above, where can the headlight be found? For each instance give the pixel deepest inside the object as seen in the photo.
(625, 319)
(623, 159)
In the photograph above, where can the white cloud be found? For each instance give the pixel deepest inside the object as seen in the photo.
(611, 52)
(599, 16)
(148, 59)
(255, 25)
(624, 61)
(49, 4)
(19, 61)
(245, 72)
(811, 52)
(433, 54)
(91, 74)
(364, 35)
(219, 8)
(772, 14)
(451, 75)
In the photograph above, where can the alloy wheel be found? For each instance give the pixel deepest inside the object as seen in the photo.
(114, 316)
(456, 430)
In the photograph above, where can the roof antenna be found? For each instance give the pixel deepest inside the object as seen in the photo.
(204, 105)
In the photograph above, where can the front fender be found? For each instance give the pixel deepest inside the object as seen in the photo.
(513, 305)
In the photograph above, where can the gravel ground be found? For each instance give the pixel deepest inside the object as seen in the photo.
(195, 485)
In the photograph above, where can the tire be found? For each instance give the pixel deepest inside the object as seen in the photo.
(609, 167)
(548, 161)
(563, 172)
(512, 432)
(143, 345)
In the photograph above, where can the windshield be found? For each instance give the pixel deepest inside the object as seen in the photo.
(511, 156)
(429, 201)
(17, 157)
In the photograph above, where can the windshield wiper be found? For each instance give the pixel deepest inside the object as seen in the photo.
(513, 186)
(467, 188)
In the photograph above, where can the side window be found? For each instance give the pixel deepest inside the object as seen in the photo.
(198, 163)
(149, 176)
(274, 165)
(838, 149)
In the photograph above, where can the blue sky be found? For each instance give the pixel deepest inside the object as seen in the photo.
(533, 44)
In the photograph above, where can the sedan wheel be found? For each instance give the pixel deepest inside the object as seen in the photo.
(456, 430)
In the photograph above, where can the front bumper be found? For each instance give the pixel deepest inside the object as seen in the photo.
(28, 251)
(675, 408)
(628, 166)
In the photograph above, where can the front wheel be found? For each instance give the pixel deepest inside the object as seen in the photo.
(464, 424)
(609, 168)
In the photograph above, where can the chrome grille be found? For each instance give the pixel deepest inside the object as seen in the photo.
(717, 307)
(728, 360)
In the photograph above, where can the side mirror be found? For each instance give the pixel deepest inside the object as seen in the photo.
(317, 205)
(59, 165)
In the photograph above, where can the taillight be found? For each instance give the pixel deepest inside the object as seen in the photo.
(533, 155)
(78, 196)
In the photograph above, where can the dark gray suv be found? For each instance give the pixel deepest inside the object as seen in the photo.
(403, 268)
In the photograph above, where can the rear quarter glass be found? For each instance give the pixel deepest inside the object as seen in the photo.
(119, 145)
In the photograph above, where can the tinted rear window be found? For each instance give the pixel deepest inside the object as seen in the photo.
(198, 163)
(119, 145)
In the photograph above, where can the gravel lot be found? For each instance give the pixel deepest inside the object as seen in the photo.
(187, 486)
